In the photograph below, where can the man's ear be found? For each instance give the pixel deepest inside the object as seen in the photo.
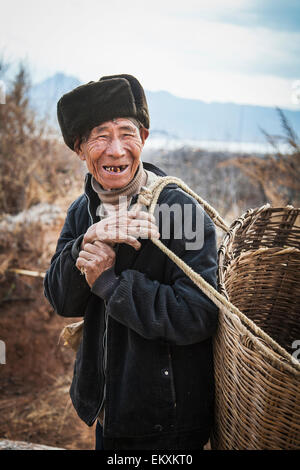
(144, 134)
(78, 149)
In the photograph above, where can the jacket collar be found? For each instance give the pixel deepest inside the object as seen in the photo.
(92, 196)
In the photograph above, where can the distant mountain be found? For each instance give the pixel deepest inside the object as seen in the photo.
(181, 118)
(44, 95)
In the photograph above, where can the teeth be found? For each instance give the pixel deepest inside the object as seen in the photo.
(115, 169)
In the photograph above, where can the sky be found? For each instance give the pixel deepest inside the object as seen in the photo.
(241, 51)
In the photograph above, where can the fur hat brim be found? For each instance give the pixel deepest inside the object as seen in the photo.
(87, 106)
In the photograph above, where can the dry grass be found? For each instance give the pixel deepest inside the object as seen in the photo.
(45, 417)
(37, 169)
(276, 175)
(34, 167)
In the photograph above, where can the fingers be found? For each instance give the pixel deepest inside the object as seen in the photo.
(145, 222)
(91, 253)
(105, 245)
(141, 223)
(92, 265)
(88, 256)
(91, 269)
(132, 241)
(123, 215)
(122, 227)
(99, 247)
(95, 258)
(91, 248)
(81, 264)
(137, 223)
(143, 232)
(90, 235)
(141, 215)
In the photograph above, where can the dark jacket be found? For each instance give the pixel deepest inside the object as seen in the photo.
(148, 349)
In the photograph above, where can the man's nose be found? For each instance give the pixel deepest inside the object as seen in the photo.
(115, 148)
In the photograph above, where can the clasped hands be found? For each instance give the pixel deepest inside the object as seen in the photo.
(97, 253)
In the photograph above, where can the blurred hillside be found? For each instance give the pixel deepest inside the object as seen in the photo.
(178, 118)
(39, 179)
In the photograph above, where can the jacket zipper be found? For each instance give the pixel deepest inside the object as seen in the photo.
(104, 361)
(104, 335)
(88, 208)
(104, 342)
(172, 378)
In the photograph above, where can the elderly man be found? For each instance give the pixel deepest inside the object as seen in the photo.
(144, 367)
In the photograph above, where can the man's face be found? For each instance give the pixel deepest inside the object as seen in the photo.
(112, 152)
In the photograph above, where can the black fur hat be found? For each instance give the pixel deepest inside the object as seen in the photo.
(87, 106)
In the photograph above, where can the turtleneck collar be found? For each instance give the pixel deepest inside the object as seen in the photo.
(133, 187)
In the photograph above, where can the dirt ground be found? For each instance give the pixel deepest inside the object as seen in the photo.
(34, 382)
(35, 405)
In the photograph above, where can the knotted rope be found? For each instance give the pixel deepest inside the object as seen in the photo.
(149, 197)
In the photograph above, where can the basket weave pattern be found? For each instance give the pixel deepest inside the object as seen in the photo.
(257, 394)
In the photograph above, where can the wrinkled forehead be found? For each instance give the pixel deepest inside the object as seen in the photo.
(133, 120)
(119, 123)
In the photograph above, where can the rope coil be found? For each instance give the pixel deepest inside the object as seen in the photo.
(149, 197)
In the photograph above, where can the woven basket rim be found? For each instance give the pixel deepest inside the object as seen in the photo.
(250, 213)
(293, 365)
(252, 254)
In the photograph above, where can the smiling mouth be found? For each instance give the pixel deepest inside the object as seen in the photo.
(115, 169)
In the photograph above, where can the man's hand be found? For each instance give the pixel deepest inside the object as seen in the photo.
(123, 227)
(94, 259)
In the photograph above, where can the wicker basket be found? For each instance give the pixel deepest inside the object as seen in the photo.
(257, 378)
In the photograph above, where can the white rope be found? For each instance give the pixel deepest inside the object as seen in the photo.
(149, 197)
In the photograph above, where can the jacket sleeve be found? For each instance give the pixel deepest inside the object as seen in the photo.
(64, 286)
(176, 312)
